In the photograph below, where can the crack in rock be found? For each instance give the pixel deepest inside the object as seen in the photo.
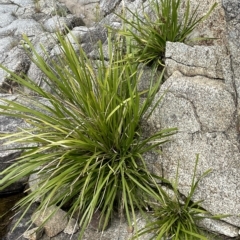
(193, 107)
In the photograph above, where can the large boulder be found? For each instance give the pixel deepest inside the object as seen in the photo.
(58, 23)
(18, 62)
(88, 10)
(54, 228)
(205, 113)
(201, 99)
(22, 26)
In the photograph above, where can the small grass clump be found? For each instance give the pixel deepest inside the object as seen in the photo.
(175, 216)
(83, 138)
(161, 22)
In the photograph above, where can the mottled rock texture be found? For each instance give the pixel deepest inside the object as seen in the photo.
(202, 100)
(204, 112)
(201, 95)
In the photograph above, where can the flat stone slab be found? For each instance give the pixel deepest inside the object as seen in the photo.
(22, 26)
(195, 60)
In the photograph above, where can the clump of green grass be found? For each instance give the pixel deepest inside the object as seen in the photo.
(160, 23)
(84, 136)
(175, 217)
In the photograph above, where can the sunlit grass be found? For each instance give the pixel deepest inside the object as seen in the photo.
(84, 137)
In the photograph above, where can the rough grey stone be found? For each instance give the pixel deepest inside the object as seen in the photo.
(55, 224)
(218, 226)
(17, 61)
(19, 27)
(231, 8)
(209, 61)
(214, 26)
(205, 114)
(147, 77)
(8, 155)
(23, 226)
(213, 108)
(232, 12)
(77, 34)
(72, 227)
(9, 152)
(6, 44)
(22, 3)
(107, 6)
(7, 8)
(192, 61)
(89, 11)
(118, 230)
(58, 23)
(6, 19)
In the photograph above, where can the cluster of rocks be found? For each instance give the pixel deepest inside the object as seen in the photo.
(201, 99)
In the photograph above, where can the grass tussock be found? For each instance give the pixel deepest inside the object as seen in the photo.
(84, 137)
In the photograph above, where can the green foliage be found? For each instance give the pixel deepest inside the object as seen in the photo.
(175, 217)
(83, 138)
(161, 23)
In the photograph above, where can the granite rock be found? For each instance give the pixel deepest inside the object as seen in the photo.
(58, 23)
(55, 224)
(18, 62)
(18, 27)
(205, 114)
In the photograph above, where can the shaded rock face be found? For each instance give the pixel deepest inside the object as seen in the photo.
(9, 124)
(232, 11)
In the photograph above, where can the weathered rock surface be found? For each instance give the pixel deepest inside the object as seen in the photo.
(45, 41)
(33, 234)
(24, 225)
(217, 226)
(216, 142)
(192, 61)
(58, 23)
(88, 10)
(214, 26)
(55, 224)
(197, 106)
(118, 230)
(22, 26)
(6, 19)
(202, 101)
(18, 62)
(10, 124)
